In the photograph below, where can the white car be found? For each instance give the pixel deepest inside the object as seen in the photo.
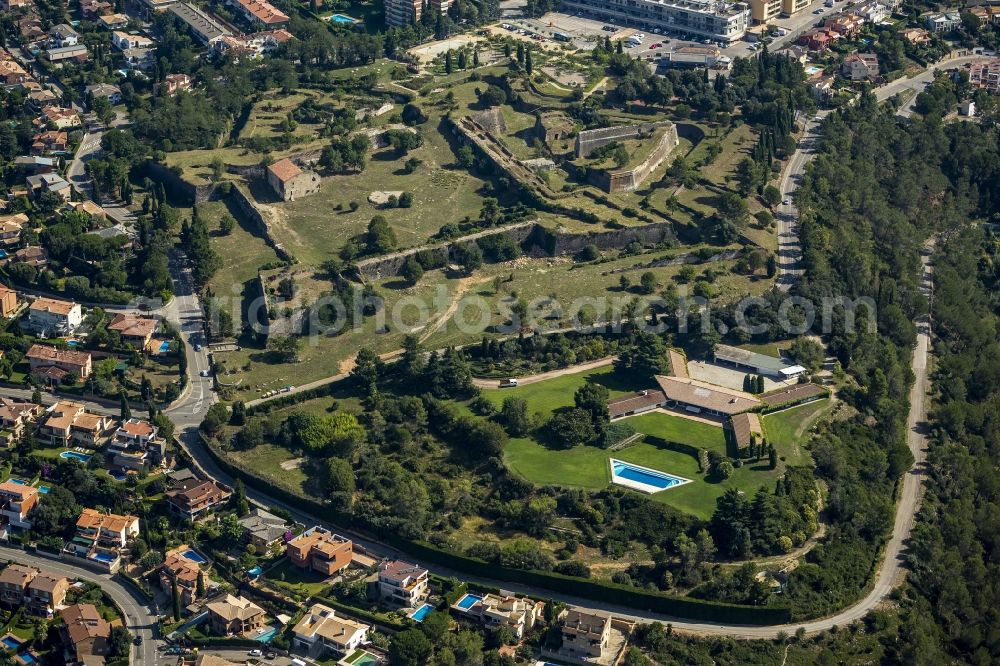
(205, 373)
(787, 202)
(255, 653)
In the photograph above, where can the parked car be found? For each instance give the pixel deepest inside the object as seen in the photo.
(255, 653)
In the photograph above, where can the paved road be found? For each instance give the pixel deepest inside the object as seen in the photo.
(918, 82)
(541, 377)
(76, 174)
(139, 619)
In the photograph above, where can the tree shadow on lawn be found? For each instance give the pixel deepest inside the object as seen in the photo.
(615, 381)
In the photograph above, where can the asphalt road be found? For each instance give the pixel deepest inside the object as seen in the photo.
(918, 82)
(138, 618)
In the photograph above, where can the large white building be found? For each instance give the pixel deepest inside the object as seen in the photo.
(717, 20)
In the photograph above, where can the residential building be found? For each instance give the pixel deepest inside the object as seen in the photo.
(289, 181)
(150, 7)
(762, 364)
(321, 550)
(48, 316)
(821, 85)
(49, 142)
(46, 592)
(985, 74)
(987, 14)
(33, 255)
(702, 19)
(39, 98)
(175, 83)
(762, 11)
(321, 631)
(194, 498)
(746, 429)
(84, 632)
(36, 164)
(10, 229)
(699, 397)
(63, 35)
(967, 108)
(943, 22)
(141, 59)
(799, 54)
(15, 416)
(402, 583)
(134, 330)
(263, 529)
(17, 501)
(14, 581)
(636, 403)
(123, 40)
(184, 571)
(93, 210)
(42, 183)
(204, 27)
(856, 67)
(871, 11)
(11, 72)
(92, 9)
(137, 445)
(818, 39)
(60, 117)
(789, 7)
(113, 21)
(70, 360)
(584, 635)
(235, 616)
(846, 25)
(399, 13)
(259, 13)
(519, 614)
(915, 35)
(695, 56)
(11, 5)
(103, 538)
(68, 423)
(109, 92)
(8, 301)
(78, 53)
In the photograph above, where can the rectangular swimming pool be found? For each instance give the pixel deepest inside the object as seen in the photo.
(104, 557)
(164, 346)
(643, 479)
(419, 614)
(468, 601)
(194, 556)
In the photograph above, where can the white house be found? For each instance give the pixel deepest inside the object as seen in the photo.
(63, 35)
(51, 316)
(402, 582)
(321, 631)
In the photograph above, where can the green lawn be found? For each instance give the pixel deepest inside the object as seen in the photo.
(683, 431)
(786, 430)
(305, 581)
(265, 460)
(551, 394)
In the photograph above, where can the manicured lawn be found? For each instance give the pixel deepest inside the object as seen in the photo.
(676, 429)
(291, 575)
(551, 394)
(786, 430)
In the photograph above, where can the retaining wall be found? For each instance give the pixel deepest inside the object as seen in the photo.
(625, 180)
(588, 141)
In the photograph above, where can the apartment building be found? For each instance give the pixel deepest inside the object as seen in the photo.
(17, 501)
(201, 25)
(8, 301)
(84, 632)
(103, 537)
(402, 12)
(14, 580)
(177, 567)
(762, 11)
(321, 631)
(402, 583)
(259, 13)
(235, 616)
(320, 550)
(46, 593)
(193, 498)
(68, 423)
(137, 445)
(52, 317)
(790, 7)
(70, 360)
(702, 19)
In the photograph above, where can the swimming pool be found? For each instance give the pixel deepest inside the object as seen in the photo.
(75, 455)
(267, 635)
(72, 344)
(27, 658)
(419, 614)
(643, 479)
(341, 18)
(17, 482)
(10, 642)
(165, 346)
(194, 556)
(468, 601)
(256, 571)
(103, 557)
(44, 490)
(361, 658)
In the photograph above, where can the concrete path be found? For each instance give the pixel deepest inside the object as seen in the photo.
(485, 383)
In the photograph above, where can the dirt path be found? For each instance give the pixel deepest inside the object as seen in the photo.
(461, 289)
(598, 86)
(485, 383)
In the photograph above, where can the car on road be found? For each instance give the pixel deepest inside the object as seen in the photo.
(197, 348)
(818, 11)
(255, 653)
(787, 202)
(137, 640)
(205, 373)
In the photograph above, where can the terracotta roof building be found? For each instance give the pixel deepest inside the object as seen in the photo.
(46, 592)
(193, 498)
(259, 13)
(289, 181)
(15, 416)
(40, 356)
(697, 396)
(321, 550)
(50, 316)
(16, 503)
(177, 567)
(68, 423)
(137, 445)
(134, 330)
(235, 616)
(14, 580)
(8, 301)
(85, 632)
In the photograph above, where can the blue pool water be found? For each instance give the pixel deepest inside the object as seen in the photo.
(11, 643)
(164, 346)
(16, 482)
(256, 571)
(27, 658)
(194, 557)
(75, 455)
(3, 254)
(72, 344)
(44, 490)
(419, 614)
(267, 635)
(468, 601)
(104, 557)
(117, 474)
(650, 478)
(340, 18)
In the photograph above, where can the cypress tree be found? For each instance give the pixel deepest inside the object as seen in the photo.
(176, 599)
(447, 62)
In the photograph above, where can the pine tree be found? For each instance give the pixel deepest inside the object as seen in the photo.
(462, 60)
(520, 52)
(506, 49)
(618, 47)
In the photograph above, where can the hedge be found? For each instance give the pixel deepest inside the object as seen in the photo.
(681, 607)
(362, 614)
(224, 643)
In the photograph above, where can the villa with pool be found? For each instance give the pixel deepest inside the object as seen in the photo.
(68, 423)
(102, 538)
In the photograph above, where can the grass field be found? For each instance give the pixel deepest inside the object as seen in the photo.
(266, 461)
(551, 394)
(304, 581)
(588, 466)
(786, 430)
